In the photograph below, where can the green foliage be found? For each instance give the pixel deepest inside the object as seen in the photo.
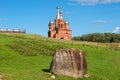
(99, 37)
(22, 57)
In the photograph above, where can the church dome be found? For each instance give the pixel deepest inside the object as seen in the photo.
(51, 22)
(58, 7)
(66, 22)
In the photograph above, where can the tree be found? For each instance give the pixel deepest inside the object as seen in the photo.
(99, 37)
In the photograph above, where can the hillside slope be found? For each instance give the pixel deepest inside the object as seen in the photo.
(28, 57)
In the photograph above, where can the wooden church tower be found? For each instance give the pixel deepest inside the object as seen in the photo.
(59, 28)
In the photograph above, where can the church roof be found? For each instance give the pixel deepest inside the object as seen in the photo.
(59, 14)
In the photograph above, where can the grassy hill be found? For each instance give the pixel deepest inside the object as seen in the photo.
(28, 57)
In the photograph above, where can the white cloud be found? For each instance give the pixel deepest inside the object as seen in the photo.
(86, 2)
(109, 1)
(100, 21)
(117, 30)
(94, 2)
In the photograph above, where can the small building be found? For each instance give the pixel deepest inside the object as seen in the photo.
(59, 28)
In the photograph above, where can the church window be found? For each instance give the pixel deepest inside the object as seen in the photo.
(61, 25)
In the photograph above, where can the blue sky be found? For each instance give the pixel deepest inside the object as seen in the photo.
(85, 16)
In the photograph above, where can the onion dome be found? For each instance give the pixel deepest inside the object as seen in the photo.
(66, 21)
(58, 7)
(51, 22)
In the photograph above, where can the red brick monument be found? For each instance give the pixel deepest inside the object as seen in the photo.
(59, 28)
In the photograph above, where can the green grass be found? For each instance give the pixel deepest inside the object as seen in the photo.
(33, 62)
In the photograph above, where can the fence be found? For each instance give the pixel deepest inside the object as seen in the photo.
(6, 30)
